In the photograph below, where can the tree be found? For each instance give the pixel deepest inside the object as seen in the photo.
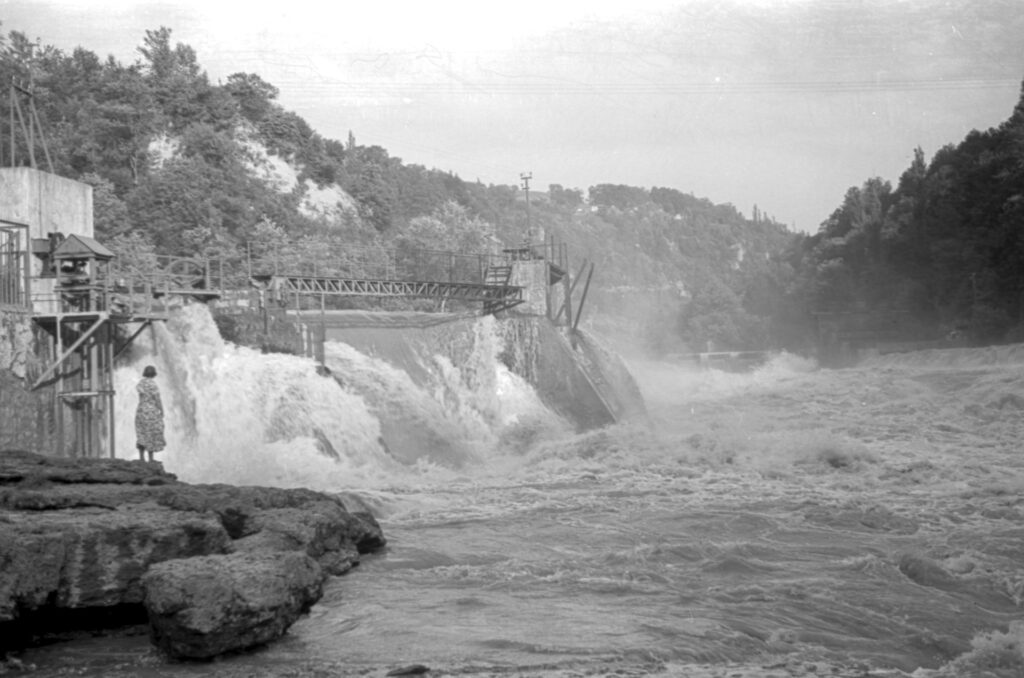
(166, 63)
(565, 197)
(178, 84)
(716, 315)
(200, 140)
(255, 96)
(190, 205)
(285, 132)
(369, 169)
(617, 195)
(136, 254)
(110, 213)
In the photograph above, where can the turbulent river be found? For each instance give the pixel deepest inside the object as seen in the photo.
(789, 521)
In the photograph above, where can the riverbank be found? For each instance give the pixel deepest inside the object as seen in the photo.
(102, 544)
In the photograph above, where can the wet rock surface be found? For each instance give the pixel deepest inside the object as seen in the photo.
(94, 557)
(202, 607)
(91, 539)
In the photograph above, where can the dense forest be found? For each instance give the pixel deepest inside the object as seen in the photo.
(945, 248)
(182, 165)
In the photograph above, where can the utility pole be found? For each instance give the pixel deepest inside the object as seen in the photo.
(525, 177)
(28, 121)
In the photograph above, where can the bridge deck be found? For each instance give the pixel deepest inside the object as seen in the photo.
(503, 294)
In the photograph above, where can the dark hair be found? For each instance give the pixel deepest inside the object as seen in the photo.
(150, 371)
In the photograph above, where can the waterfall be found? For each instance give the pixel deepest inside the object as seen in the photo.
(236, 415)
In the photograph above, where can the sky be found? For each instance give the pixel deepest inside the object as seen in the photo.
(785, 104)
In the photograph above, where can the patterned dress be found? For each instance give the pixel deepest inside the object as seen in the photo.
(149, 417)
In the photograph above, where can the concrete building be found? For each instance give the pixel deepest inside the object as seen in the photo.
(57, 335)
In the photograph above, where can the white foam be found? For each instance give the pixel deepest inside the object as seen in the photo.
(235, 415)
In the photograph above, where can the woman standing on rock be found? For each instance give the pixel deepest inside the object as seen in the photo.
(149, 417)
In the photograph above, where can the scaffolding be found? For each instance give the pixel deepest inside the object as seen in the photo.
(14, 266)
(97, 308)
(80, 320)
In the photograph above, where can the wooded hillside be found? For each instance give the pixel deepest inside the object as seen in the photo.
(181, 165)
(944, 249)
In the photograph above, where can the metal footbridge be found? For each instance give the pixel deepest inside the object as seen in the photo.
(496, 295)
(291, 273)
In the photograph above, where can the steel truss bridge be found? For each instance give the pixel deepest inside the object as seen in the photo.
(288, 272)
(495, 296)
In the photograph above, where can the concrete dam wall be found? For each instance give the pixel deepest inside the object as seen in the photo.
(572, 373)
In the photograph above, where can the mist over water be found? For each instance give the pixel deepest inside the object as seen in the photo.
(759, 523)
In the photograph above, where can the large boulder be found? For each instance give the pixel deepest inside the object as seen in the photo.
(320, 529)
(242, 509)
(202, 607)
(93, 557)
(78, 535)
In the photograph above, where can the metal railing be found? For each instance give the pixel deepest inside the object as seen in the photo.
(167, 274)
(134, 282)
(14, 265)
(398, 264)
(556, 253)
(127, 286)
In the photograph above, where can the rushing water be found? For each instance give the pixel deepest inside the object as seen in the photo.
(790, 521)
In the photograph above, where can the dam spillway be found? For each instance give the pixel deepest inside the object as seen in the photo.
(401, 390)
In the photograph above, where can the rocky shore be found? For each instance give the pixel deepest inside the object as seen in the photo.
(87, 544)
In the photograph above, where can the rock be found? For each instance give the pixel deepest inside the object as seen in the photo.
(51, 497)
(371, 537)
(240, 508)
(411, 670)
(93, 557)
(366, 533)
(202, 607)
(20, 466)
(320, 529)
(78, 535)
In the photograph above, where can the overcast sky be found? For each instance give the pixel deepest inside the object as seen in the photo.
(782, 103)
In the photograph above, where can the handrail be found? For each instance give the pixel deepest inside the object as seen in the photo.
(371, 262)
(130, 278)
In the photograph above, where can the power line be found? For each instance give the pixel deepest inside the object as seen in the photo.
(393, 87)
(525, 178)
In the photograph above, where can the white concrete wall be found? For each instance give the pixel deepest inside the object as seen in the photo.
(532, 275)
(47, 203)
